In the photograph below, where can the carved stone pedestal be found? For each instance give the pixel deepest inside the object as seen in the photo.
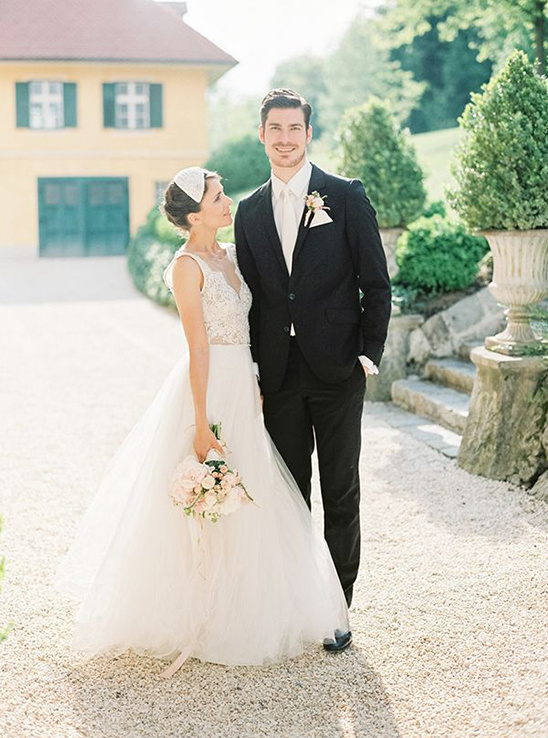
(393, 365)
(507, 418)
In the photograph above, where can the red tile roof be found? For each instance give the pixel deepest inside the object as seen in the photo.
(114, 30)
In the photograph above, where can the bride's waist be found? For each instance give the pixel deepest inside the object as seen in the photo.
(240, 346)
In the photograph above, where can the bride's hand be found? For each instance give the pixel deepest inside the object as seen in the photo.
(204, 441)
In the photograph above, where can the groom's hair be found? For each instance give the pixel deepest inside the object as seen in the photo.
(284, 98)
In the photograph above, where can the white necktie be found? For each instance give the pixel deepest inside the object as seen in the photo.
(289, 226)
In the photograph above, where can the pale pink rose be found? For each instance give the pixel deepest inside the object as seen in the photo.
(208, 482)
(229, 479)
(317, 203)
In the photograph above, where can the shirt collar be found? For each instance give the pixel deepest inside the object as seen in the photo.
(298, 183)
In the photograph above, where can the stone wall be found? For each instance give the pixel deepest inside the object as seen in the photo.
(471, 319)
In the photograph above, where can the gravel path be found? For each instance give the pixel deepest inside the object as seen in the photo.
(450, 616)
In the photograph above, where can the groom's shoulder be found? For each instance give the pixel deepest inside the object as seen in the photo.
(253, 197)
(338, 181)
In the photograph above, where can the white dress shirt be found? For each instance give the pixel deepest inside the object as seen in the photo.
(298, 189)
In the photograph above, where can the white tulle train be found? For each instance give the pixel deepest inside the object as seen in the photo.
(253, 588)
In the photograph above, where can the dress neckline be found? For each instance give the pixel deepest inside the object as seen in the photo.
(226, 249)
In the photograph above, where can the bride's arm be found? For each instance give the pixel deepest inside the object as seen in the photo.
(187, 283)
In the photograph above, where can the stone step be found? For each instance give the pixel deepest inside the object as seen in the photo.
(444, 405)
(466, 349)
(453, 373)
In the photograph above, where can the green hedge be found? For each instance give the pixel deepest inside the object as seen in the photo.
(149, 252)
(436, 254)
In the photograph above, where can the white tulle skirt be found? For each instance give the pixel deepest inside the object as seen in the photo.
(253, 588)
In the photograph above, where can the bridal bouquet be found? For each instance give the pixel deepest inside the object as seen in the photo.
(210, 489)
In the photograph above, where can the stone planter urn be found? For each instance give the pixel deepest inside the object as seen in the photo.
(389, 238)
(520, 280)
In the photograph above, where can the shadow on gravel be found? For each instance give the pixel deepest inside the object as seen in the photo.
(468, 505)
(318, 694)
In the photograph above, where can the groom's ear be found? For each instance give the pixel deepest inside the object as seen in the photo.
(261, 134)
(309, 134)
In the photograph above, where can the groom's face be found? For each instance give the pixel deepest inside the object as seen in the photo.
(285, 136)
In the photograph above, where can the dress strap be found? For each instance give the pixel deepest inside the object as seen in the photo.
(168, 272)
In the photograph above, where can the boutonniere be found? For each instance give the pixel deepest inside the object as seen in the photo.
(315, 203)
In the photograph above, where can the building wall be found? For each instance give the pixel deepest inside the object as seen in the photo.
(144, 156)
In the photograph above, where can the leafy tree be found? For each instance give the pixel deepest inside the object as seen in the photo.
(502, 24)
(242, 163)
(450, 72)
(361, 68)
(306, 75)
(230, 115)
(501, 166)
(376, 151)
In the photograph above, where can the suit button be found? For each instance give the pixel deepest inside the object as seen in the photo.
(291, 295)
(286, 328)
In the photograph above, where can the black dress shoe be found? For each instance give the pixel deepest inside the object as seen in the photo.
(340, 642)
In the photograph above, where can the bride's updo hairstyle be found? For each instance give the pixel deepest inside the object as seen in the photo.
(177, 205)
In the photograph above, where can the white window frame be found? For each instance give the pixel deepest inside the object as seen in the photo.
(46, 105)
(132, 105)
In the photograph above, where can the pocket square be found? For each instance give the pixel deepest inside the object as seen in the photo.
(320, 218)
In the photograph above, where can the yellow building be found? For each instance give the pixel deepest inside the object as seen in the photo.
(101, 102)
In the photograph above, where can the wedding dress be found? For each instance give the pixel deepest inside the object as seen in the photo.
(252, 588)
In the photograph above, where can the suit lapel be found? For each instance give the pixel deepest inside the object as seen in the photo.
(317, 181)
(267, 218)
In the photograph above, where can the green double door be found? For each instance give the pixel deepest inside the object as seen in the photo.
(83, 216)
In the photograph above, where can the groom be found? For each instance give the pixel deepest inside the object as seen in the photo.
(321, 306)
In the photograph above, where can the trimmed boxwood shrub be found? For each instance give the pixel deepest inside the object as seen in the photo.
(375, 150)
(437, 255)
(501, 168)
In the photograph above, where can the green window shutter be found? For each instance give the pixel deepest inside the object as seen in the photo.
(69, 96)
(22, 104)
(109, 105)
(156, 113)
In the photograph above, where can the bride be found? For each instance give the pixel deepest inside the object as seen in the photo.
(259, 584)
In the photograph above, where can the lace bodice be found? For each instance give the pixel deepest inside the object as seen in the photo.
(225, 311)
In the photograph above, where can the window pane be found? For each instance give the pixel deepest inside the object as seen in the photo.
(52, 195)
(96, 194)
(121, 88)
(116, 194)
(71, 194)
(139, 89)
(35, 88)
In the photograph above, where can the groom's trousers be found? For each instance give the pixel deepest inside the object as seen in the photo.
(306, 408)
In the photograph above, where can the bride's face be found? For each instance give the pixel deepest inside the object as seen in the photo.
(214, 208)
(285, 136)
